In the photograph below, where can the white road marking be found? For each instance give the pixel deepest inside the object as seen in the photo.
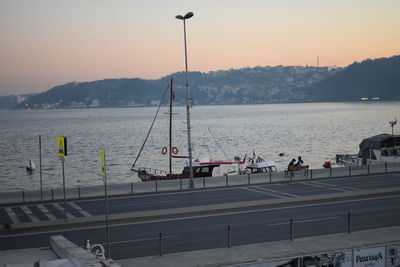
(279, 223)
(29, 213)
(79, 209)
(327, 186)
(47, 212)
(306, 220)
(319, 219)
(58, 206)
(143, 239)
(262, 192)
(278, 192)
(14, 218)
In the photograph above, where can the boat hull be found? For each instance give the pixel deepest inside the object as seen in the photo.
(199, 171)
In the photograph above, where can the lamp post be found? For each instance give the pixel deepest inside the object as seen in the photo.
(184, 18)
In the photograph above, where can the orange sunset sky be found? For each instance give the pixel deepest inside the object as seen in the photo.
(45, 43)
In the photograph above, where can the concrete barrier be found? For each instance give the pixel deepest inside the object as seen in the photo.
(78, 256)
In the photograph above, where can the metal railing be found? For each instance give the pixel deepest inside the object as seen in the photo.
(230, 235)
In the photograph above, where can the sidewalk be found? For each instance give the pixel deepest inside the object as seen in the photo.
(261, 254)
(54, 194)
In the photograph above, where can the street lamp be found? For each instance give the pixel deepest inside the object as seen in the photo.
(184, 18)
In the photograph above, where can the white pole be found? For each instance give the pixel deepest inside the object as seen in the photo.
(65, 198)
(40, 167)
(104, 173)
(191, 183)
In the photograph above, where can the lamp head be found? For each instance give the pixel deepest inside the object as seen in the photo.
(187, 16)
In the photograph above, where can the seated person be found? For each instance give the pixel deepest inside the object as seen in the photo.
(300, 162)
(291, 164)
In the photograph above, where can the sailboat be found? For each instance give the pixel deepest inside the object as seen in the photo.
(31, 166)
(202, 167)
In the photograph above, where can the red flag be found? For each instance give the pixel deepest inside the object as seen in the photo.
(173, 95)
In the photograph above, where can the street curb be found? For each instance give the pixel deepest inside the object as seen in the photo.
(144, 216)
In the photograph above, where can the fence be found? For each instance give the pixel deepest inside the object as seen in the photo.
(216, 234)
(79, 192)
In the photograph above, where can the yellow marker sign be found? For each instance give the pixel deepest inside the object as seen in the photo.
(103, 162)
(62, 146)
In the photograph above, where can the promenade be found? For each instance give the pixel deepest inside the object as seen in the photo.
(274, 253)
(121, 189)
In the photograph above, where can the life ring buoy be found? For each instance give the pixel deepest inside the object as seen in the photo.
(175, 150)
(164, 150)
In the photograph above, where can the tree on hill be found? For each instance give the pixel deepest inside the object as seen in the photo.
(370, 78)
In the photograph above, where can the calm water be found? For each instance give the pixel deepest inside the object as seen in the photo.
(315, 131)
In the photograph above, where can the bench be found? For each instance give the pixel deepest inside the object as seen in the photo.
(290, 171)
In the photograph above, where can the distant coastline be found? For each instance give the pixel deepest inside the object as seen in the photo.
(205, 104)
(370, 80)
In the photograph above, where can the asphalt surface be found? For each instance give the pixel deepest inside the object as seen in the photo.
(211, 231)
(79, 209)
(140, 239)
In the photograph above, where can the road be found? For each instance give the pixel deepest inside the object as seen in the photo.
(55, 211)
(210, 231)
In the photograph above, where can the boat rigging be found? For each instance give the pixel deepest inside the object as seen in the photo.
(201, 167)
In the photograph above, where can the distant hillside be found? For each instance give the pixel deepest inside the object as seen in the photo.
(247, 85)
(370, 79)
(279, 84)
(12, 101)
(106, 93)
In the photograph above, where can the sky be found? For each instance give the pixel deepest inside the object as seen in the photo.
(44, 43)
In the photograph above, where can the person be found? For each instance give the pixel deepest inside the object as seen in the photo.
(292, 163)
(300, 162)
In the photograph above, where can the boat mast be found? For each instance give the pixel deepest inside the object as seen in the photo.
(392, 124)
(171, 98)
(151, 127)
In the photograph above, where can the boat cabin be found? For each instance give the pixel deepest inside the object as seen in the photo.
(261, 166)
(380, 148)
(199, 171)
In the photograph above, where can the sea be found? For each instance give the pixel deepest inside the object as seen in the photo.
(275, 132)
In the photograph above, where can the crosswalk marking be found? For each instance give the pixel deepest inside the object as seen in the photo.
(34, 217)
(58, 206)
(47, 212)
(14, 218)
(29, 213)
(83, 212)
